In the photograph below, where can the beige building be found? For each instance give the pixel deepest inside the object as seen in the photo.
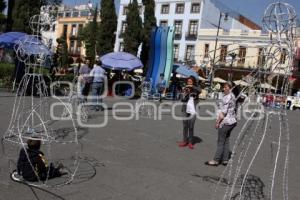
(252, 48)
(69, 23)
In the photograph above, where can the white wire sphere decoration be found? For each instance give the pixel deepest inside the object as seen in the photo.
(39, 23)
(279, 17)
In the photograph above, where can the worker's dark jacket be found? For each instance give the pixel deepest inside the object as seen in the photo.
(32, 165)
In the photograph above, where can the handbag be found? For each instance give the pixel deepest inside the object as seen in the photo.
(190, 107)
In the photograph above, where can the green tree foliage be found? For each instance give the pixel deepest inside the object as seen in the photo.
(133, 32)
(62, 52)
(107, 27)
(2, 16)
(149, 23)
(9, 20)
(2, 5)
(88, 36)
(24, 9)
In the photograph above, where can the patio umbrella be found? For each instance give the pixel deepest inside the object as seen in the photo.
(8, 40)
(267, 86)
(219, 80)
(121, 61)
(185, 71)
(32, 45)
(241, 83)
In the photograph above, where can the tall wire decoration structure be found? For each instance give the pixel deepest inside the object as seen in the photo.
(76, 102)
(31, 117)
(258, 168)
(144, 107)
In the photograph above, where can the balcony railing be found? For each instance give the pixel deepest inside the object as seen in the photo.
(191, 36)
(177, 36)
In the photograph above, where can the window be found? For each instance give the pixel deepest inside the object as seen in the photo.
(195, 8)
(223, 53)
(193, 27)
(261, 60)
(84, 13)
(75, 13)
(125, 10)
(189, 54)
(176, 52)
(53, 28)
(206, 50)
(60, 14)
(121, 47)
(74, 30)
(123, 28)
(242, 55)
(165, 9)
(65, 30)
(68, 14)
(178, 29)
(283, 56)
(179, 8)
(163, 23)
(72, 46)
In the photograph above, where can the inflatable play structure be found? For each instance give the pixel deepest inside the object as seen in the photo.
(161, 54)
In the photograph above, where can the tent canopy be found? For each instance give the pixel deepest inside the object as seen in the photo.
(241, 83)
(9, 39)
(219, 80)
(121, 61)
(185, 71)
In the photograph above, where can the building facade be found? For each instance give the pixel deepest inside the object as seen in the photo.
(68, 24)
(188, 17)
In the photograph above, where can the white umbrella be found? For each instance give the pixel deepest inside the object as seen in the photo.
(219, 80)
(267, 86)
(241, 82)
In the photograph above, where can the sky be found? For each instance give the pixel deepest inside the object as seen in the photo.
(252, 9)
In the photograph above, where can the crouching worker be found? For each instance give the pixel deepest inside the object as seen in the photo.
(32, 165)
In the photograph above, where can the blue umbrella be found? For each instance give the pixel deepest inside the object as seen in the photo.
(185, 71)
(121, 61)
(32, 45)
(8, 40)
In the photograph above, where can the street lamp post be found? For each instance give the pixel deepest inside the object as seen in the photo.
(232, 58)
(216, 43)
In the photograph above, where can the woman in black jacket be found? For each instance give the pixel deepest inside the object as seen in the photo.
(190, 100)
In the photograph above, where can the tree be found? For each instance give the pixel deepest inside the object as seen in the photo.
(107, 27)
(62, 52)
(2, 5)
(9, 20)
(149, 23)
(88, 36)
(133, 32)
(23, 10)
(2, 16)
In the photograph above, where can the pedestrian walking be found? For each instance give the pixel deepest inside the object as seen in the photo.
(98, 74)
(85, 79)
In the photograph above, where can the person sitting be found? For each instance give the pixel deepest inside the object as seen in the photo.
(32, 165)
